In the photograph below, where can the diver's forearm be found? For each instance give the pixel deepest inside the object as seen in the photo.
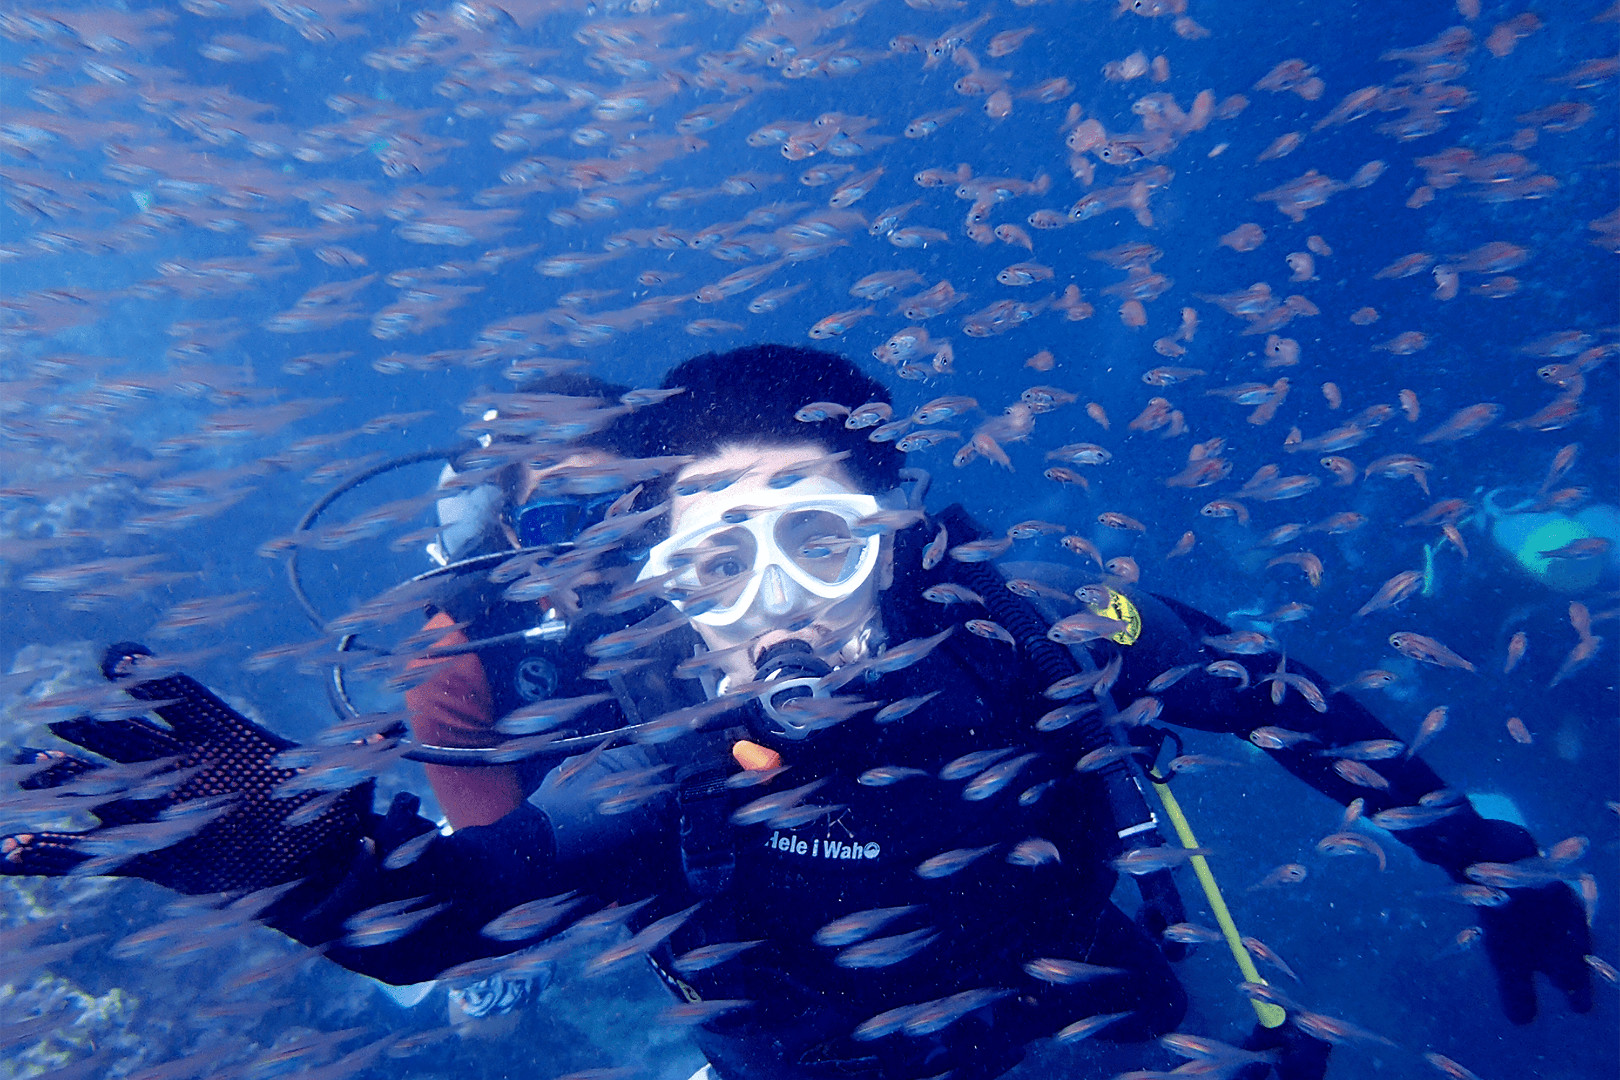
(1334, 743)
(444, 898)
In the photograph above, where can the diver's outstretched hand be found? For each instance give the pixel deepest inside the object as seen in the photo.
(200, 806)
(1539, 929)
(1541, 926)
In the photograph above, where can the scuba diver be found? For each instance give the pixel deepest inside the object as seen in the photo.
(509, 653)
(853, 837)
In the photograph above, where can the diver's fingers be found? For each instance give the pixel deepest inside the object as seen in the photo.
(119, 659)
(1565, 939)
(1571, 975)
(1571, 940)
(45, 854)
(126, 740)
(50, 768)
(1514, 983)
(198, 715)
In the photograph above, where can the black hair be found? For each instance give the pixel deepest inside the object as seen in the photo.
(750, 395)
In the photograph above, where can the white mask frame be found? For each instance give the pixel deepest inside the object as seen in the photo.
(760, 527)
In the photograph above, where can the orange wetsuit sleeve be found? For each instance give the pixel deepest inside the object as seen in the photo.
(454, 707)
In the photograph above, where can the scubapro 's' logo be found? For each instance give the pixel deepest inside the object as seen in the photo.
(534, 679)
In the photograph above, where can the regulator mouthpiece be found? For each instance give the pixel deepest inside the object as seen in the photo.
(792, 671)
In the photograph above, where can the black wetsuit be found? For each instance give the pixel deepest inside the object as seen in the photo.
(972, 930)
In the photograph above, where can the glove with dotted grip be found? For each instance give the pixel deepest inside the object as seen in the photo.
(199, 805)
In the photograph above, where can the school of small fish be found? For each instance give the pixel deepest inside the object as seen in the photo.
(217, 211)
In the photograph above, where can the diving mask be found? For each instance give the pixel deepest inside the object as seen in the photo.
(734, 545)
(547, 521)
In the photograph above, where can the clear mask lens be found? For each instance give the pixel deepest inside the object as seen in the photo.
(811, 545)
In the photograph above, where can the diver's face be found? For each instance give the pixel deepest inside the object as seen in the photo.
(798, 573)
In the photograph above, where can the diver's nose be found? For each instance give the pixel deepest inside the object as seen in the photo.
(778, 594)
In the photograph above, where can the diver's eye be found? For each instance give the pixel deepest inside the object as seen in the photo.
(726, 555)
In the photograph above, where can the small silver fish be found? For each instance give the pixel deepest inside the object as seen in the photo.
(1104, 756)
(1397, 818)
(1197, 763)
(531, 919)
(820, 410)
(885, 775)
(708, 956)
(1230, 669)
(848, 929)
(934, 1016)
(1034, 852)
(1366, 750)
(1032, 795)
(1140, 861)
(981, 550)
(907, 653)
(934, 553)
(904, 707)
(411, 850)
(993, 631)
(1035, 590)
(1098, 682)
(1067, 972)
(1266, 953)
(694, 1013)
(947, 592)
(1164, 680)
(1276, 738)
(950, 862)
(993, 779)
(885, 951)
(1144, 710)
(1528, 874)
(968, 764)
(771, 805)
(1064, 716)
(869, 415)
(388, 922)
(1192, 934)
(1086, 1027)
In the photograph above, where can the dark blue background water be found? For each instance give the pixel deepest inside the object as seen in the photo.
(1368, 945)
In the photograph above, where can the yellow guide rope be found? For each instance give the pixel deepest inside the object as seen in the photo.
(1270, 1015)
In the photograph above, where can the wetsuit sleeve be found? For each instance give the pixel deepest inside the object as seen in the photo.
(454, 707)
(1172, 636)
(463, 881)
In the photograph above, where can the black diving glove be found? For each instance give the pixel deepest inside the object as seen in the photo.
(194, 806)
(1539, 928)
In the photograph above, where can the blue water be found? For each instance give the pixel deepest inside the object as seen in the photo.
(165, 207)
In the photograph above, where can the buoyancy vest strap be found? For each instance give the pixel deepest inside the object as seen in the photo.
(1133, 816)
(708, 854)
(1015, 614)
(1134, 822)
